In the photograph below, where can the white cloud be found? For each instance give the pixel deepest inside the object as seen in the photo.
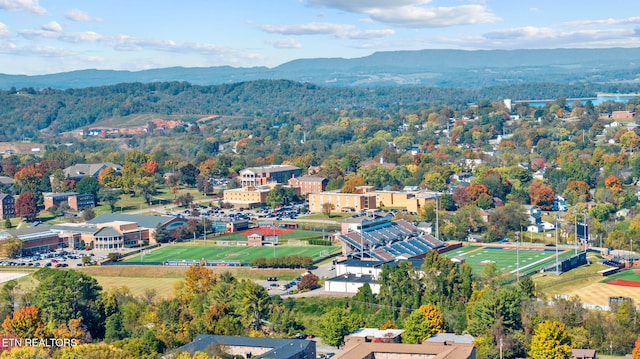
(413, 13)
(23, 5)
(625, 21)
(78, 15)
(341, 31)
(362, 6)
(312, 28)
(366, 34)
(52, 26)
(543, 37)
(4, 30)
(288, 43)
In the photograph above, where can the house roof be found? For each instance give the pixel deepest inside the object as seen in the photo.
(361, 263)
(311, 179)
(451, 338)
(141, 220)
(357, 350)
(583, 353)
(88, 169)
(4, 195)
(270, 169)
(354, 278)
(6, 180)
(280, 348)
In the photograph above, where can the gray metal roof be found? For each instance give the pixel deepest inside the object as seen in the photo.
(281, 348)
(142, 220)
(107, 232)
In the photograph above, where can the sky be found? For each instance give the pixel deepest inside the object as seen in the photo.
(51, 36)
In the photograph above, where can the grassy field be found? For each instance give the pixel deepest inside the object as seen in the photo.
(232, 253)
(506, 258)
(162, 279)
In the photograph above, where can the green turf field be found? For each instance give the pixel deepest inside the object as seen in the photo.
(629, 274)
(506, 259)
(236, 253)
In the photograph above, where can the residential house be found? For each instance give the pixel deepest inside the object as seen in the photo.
(534, 214)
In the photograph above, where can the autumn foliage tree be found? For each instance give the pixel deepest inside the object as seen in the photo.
(26, 206)
(635, 354)
(422, 324)
(541, 195)
(613, 183)
(308, 282)
(576, 191)
(25, 323)
(351, 183)
(550, 341)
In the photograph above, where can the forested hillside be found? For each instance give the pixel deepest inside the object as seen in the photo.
(26, 112)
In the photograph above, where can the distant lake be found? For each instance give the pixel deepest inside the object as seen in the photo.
(595, 100)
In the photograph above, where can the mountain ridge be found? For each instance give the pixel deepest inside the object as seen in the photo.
(440, 68)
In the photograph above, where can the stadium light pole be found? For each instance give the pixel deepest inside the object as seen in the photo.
(557, 268)
(204, 228)
(437, 220)
(518, 257)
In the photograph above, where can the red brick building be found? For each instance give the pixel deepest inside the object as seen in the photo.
(309, 184)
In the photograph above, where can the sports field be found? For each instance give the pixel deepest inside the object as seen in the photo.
(506, 258)
(230, 253)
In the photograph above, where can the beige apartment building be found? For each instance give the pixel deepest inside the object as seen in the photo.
(342, 202)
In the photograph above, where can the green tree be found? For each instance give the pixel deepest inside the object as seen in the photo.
(111, 196)
(334, 326)
(254, 301)
(146, 188)
(88, 185)
(65, 295)
(189, 174)
(11, 247)
(161, 234)
(422, 323)
(550, 341)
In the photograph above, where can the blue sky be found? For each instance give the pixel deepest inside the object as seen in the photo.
(50, 36)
